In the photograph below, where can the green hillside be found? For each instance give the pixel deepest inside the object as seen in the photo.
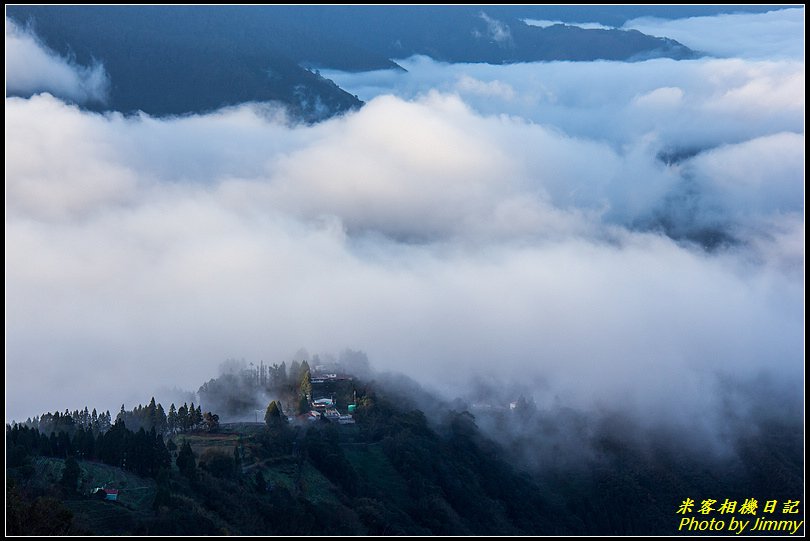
(394, 472)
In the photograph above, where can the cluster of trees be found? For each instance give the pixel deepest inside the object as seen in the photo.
(135, 441)
(150, 417)
(243, 389)
(146, 417)
(186, 418)
(274, 415)
(183, 419)
(68, 422)
(269, 376)
(304, 388)
(276, 377)
(140, 451)
(397, 472)
(414, 478)
(45, 515)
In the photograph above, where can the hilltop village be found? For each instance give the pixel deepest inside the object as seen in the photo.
(300, 392)
(316, 449)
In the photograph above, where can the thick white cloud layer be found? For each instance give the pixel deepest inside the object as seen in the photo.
(32, 67)
(701, 103)
(775, 34)
(443, 239)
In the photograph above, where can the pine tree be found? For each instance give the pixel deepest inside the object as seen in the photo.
(182, 417)
(211, 421)
(305, 386)
(186, 462)
(194, 416)
(151, 414)
(160, 419)
(171, 420)
(303, 405)
(104, 421)
(273, 416)
(161, 458)
(294, 374)
(281, 377)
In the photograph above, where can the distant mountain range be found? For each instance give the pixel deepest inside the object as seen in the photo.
(181, 59)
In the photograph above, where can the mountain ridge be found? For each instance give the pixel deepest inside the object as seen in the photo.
(179, 59)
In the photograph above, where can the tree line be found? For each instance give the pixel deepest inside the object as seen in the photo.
(142, 452)
(241, 389)
(150, 417)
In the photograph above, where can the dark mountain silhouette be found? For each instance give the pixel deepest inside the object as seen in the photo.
(180, 59)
